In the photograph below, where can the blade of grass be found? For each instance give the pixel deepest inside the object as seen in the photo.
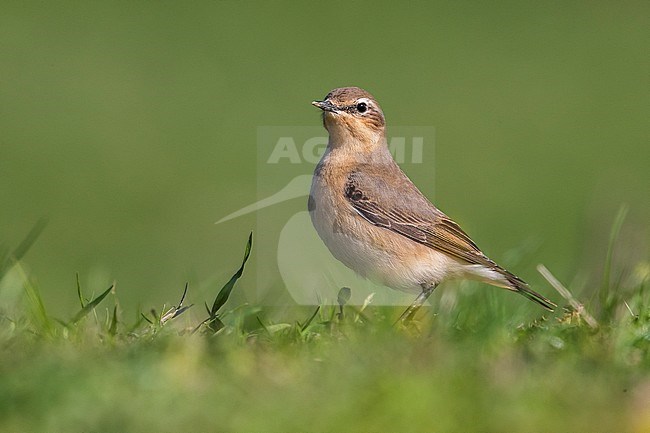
(23, 247)
(262, 325)
(79, 294)
(566, 294)
(112, 330)
(146, 318)
(214, 324)
(225, 291)
(613, 236)
(29, 240)
(311, 319)
(36, 303)
(90, 306)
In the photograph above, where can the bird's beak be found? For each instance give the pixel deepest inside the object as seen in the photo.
(325, 105)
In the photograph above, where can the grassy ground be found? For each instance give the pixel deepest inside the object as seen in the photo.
(469, 364)
(134, 126)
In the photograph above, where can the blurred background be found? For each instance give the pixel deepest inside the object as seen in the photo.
(133, 127)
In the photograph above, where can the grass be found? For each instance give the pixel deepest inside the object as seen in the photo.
(471, 363)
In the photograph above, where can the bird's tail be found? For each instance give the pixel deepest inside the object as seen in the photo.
(520, 286)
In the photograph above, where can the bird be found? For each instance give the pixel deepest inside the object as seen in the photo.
(374, 220)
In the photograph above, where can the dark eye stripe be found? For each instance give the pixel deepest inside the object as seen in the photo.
(371, 115)
(355, 108)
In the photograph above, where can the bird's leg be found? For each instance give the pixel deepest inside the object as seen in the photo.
(407, 316)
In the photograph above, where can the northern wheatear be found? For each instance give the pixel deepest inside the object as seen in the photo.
(375, 220)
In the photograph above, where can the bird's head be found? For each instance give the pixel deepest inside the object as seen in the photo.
(351, 113)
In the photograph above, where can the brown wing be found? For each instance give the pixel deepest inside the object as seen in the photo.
(401, 207)
(406, 211)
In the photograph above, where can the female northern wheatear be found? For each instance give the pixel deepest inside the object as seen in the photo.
(375, 220)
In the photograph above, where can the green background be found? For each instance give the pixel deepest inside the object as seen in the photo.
(132, 127)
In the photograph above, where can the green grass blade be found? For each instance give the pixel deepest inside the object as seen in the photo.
(214, 324)
(225, 291)
(311, 319)
(262, 325)
(29, 240)
(36, 303)
(79, 294)
(146, 318)
(613, 236)
(23, 247)
(112, 330)
(90, 306)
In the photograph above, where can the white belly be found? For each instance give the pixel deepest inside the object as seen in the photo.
(374, 252)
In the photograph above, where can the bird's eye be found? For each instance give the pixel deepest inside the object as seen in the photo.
(362, 107)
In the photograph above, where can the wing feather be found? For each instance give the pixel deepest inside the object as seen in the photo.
(431, 228)
(401, 208)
